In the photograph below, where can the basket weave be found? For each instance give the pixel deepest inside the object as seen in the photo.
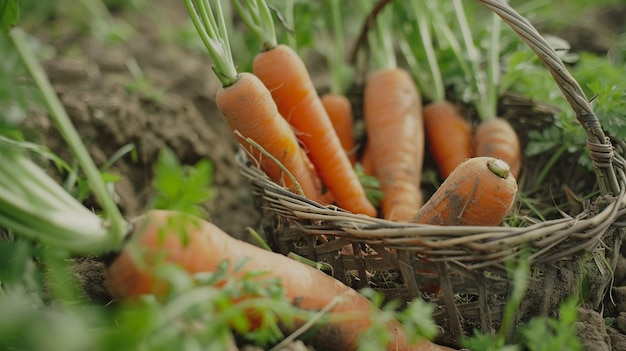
(403, 259)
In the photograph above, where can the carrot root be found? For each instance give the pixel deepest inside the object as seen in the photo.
(249, 110)
(199, 246)
(448, 134)
(286, 77)
(496, 137)
(395, 131)
(480, 191)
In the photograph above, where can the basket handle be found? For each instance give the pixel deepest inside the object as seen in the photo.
(598, 144)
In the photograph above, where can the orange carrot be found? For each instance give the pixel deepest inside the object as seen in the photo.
(480, 191)
(199, 246)
(285, 75)
(248, 108)
(394, 125)
(448, 134)
(339, 111)
(495, 137)
(251, 113)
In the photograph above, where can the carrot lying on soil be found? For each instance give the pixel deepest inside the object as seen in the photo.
(495, 137)
(448, 134)
(159, 235)
(479, 192)
(285, 75)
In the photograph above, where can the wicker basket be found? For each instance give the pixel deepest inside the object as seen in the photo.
(403, 259)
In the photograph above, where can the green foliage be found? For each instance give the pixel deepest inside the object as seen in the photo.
(203, 311)
(554, 334)
(9, 14)
(182, 187)
(370, 184)
(416, 319)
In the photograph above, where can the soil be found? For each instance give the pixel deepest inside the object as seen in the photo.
(178, 112)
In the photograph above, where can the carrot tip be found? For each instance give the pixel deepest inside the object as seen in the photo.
(499, 167)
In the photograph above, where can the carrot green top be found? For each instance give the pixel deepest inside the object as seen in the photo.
(486, 87)
(256, 15)
(215, 38)
(339, 70)
(420, 30)
(381, 41)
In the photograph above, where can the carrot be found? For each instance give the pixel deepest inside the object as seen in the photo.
(393, 120)
(248, 108)
(448, 134)
(339, 111)
(285, 75)
(495, 137)
(251, 113)
(392, 109)
(479, 192)
(199, 246)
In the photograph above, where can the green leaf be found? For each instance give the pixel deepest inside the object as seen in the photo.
(180, 187)
(9, 14)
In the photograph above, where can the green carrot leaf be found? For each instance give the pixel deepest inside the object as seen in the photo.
(9, 14)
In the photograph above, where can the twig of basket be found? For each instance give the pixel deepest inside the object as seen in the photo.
(599, 145)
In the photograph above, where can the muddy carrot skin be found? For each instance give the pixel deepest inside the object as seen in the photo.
(495, 137)
(395, 132)
(339, 110)
(248, 108)
(199, 246)
(448, 134)
(479, 192)
(284, 74)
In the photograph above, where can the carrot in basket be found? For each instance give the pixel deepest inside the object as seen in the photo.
(480, 191)
(495, 137)
(395, 131)
(339, 111)
(249, 110)
(283, 72)
(199, 246)
(448, 133)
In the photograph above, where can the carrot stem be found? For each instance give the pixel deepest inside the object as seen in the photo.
(437, 93)
(34, 205)
(493, 68)
(335, 52)
(213, 35)
(115, 224)
(478, 77)
(381, 42)
(258, 18)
